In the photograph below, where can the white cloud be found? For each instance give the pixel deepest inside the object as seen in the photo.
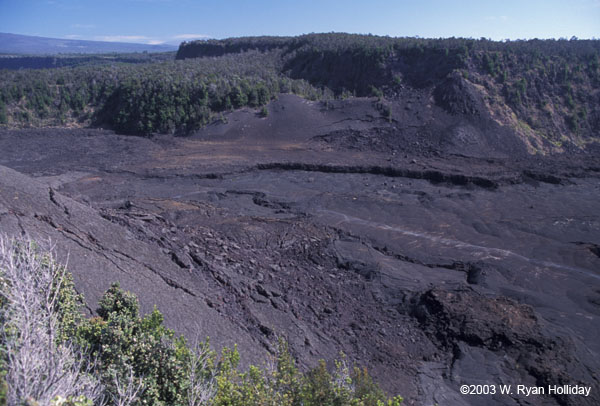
(496, 18)
(123, 38)
(83, 26)
(190, 36)
(150, 40)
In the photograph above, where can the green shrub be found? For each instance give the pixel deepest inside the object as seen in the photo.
(122, 340)
(3, 115)
(264, 112)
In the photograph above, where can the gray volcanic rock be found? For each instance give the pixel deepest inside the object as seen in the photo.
(99, 253)
(457, 96)
(343, 232)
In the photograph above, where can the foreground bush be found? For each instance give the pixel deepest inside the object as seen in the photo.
(39, 363)
(52, 355)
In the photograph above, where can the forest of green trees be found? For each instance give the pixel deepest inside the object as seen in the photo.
(143, 98)
(535, 78)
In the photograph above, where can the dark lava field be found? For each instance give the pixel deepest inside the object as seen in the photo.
(434, 262)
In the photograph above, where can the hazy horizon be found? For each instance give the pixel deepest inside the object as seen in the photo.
(172, 22)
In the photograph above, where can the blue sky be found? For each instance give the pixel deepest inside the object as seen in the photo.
(172, 21)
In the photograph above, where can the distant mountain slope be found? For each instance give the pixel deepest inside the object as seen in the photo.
(16, 62)
(24, 44)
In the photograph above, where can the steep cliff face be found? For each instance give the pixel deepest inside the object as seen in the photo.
(546, 92)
